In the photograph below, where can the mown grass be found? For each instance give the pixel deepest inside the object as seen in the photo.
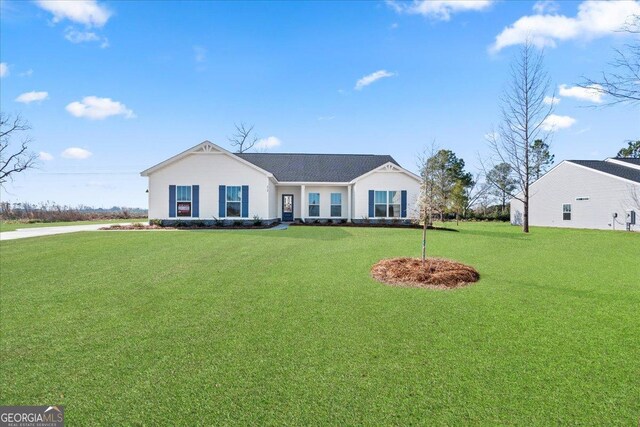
(14, 225)
(287, 328)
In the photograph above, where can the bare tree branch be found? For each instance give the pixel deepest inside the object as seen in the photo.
(14, 158)
(242, 138)
(620, 85)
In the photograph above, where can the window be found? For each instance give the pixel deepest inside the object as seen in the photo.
(386, 204)
(314, 204)
(183, 200)
(234, 201)
(582, 198)
(566, 212)
(336, 204)
(394, 204)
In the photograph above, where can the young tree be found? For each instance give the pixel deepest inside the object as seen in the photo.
(632, 150)
(427, 197)
(503, 182)
(15, 157)
(243, 138)
(541, 158)
(524, 113)
(621, 83)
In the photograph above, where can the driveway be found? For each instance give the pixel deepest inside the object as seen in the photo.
(23, 233)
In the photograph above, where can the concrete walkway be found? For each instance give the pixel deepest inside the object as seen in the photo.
(23, 233)
(281, 226)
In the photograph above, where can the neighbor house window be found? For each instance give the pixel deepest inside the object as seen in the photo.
(183, 200)
(336, 204)
(566, 212)
(314, 204)
(234, 201)
(386, 204)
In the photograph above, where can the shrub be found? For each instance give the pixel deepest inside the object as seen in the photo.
(157, 222)
(257, 221)
(238, 223)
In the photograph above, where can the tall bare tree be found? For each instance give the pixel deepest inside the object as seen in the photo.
(523, 116)
(15, 156)
(243, 138)
(621, 82)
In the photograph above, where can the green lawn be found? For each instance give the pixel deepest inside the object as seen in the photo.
(14, 225)
(286, 328)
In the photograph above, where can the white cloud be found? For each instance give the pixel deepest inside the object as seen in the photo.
(594, 19)
(32, 96)
(591, 93)
(4, 69)
(551, 100)
(43, 155)
(94, 108)
(27, 73)
(75, 36)
(87, 12)
(367, 80)
(438, 9)
(555, 122)
(76, 153)
(546, 6)
(268, 143)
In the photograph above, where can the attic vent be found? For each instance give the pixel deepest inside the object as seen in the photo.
(207, 148)
(582, 198)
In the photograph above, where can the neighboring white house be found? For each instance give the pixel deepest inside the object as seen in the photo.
(207, 182)
(598, 194)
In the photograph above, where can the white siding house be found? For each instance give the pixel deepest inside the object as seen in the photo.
(585, 194)
(207, 183)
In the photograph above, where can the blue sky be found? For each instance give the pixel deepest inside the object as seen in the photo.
(113, 87)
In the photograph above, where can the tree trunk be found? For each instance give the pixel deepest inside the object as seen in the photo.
(424, 236)
(525, 221)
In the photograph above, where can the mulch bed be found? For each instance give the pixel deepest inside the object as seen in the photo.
(438, 273)
(137, 226)
(140, 226)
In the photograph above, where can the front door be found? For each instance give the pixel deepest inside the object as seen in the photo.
(287, 207)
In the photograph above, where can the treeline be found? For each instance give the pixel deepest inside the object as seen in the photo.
(54, 212)
(450, 192)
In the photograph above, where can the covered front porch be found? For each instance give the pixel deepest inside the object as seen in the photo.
(314, 201)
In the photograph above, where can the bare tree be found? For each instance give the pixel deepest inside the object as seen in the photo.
(524, 113)
(621, 83)
(243, 138)
(476, 192)
(15, 156)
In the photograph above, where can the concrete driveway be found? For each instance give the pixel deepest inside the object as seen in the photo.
(23, 233)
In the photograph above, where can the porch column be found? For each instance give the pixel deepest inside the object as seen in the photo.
(349, 203)
(303, 203)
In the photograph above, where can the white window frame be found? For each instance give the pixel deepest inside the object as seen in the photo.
(190, 201)
(387, 204)
(313, 204)
(331, 205)
(570, 211)
(227, 201)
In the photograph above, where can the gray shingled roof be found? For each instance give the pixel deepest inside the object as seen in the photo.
(611, 169)
(294, 167)
(629, 160)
